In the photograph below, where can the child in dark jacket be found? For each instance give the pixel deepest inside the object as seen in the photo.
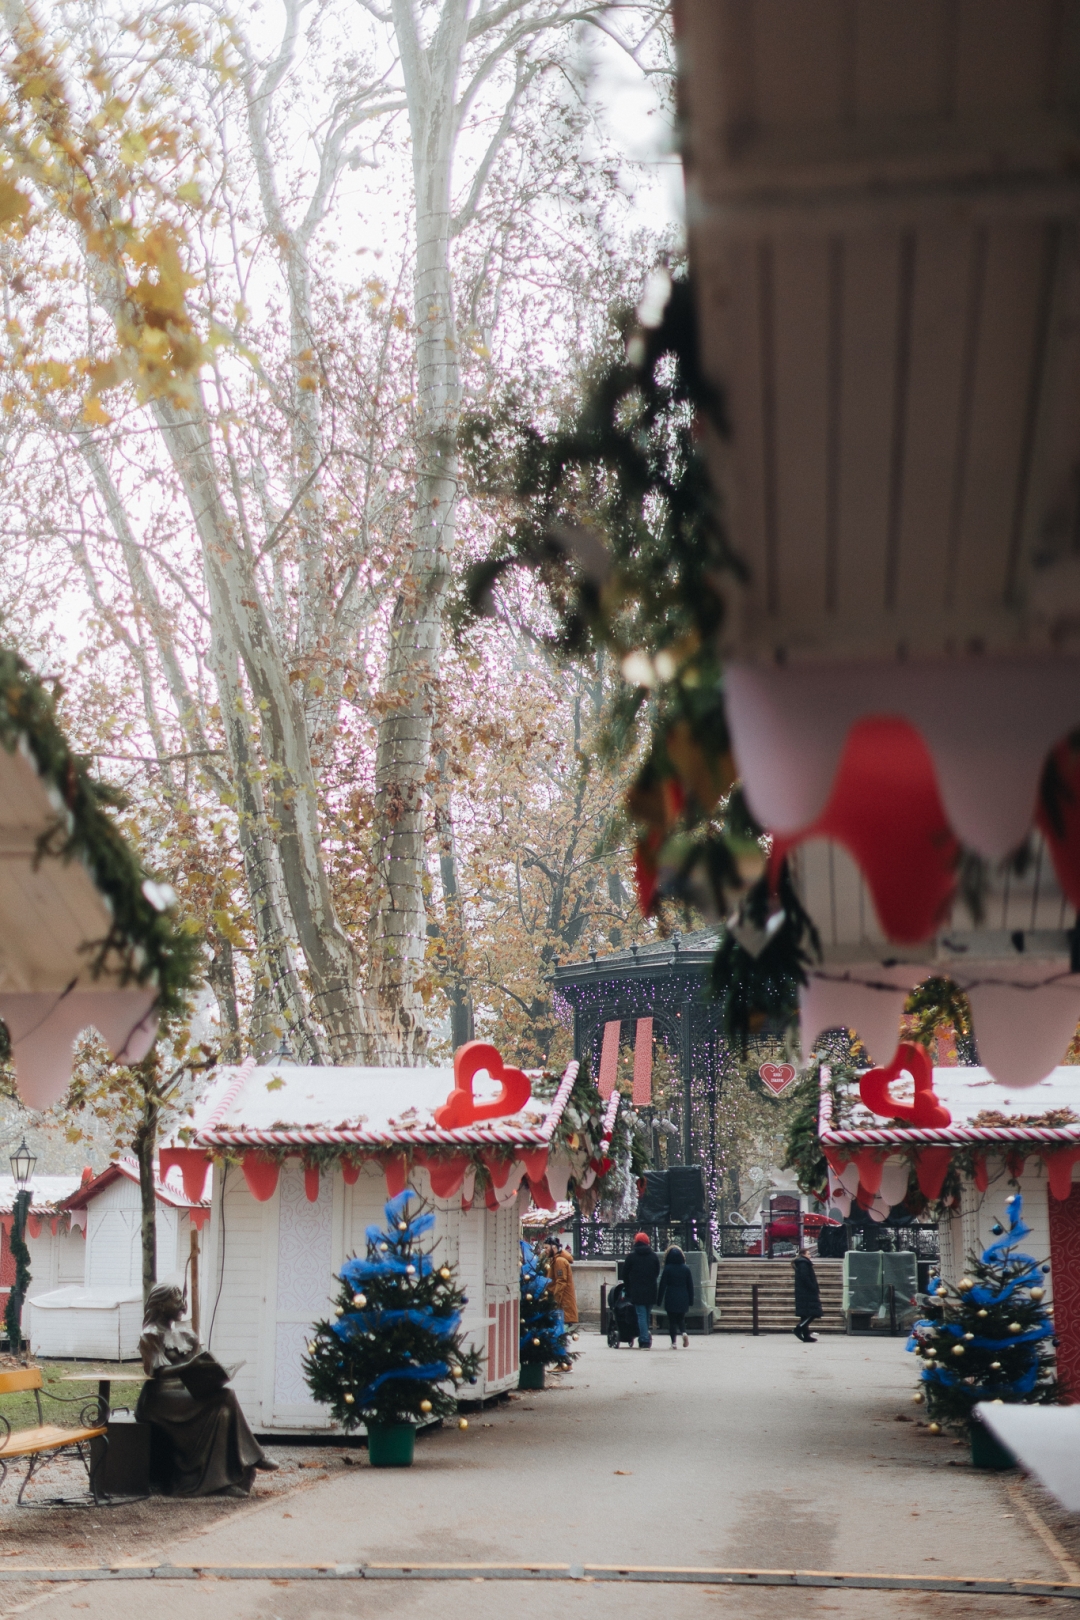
(676, 1293)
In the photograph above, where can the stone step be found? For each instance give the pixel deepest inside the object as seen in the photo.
(776, 1296)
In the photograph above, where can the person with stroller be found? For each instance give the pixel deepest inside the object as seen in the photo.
(807, 1298)
(641, 1268)
(675, 1294)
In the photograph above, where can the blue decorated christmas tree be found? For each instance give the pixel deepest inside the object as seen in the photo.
(989, 1337)
(395, 1351)
(543, 1329)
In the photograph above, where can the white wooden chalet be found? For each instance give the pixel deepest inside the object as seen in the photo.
(999, 1140)
(98, 1312)
(56, 1251)
(305, 1159)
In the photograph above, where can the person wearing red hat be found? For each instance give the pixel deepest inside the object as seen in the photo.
(641, 1268)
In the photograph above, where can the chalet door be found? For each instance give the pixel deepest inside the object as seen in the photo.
(305, 1267)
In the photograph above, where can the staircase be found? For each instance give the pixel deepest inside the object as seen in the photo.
(776, 1296)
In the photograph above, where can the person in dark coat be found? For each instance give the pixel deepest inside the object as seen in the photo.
(641, 1268)
(675, 1294)
(807, 1298)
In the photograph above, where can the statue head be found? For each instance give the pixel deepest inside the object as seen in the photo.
(165, 1304)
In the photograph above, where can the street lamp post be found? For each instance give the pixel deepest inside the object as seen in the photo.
(23, 1163)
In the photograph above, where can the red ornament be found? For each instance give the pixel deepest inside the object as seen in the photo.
(777, 1076)
(926, 1109)
(460, 1107)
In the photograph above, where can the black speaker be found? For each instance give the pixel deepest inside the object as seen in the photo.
(686, 1192)
(652, 1207)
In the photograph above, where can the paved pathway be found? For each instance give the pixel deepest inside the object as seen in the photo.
(738, 1451)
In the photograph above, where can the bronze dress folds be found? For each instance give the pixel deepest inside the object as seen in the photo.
(211, 1445)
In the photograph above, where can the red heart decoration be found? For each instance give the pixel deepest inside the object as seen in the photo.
(925, 1109)
(460, 1108)
(777, 1076)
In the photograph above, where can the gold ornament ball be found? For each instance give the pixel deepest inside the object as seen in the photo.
(463, 1423)
(995, 1366)
(934, 1428)
(917, 1400)
(349, 1399)
(444, 1273)
(339, 1310)
(964, 1284)
(969, 1336)
(984, 1313)
(958, 1350)
(425, 1406)
(403, 1226)
(930, 1351)
(574, 1336)
(359, 1300)
(997, 1402)
(536, 1341)
(1037, 1293)
(1014, 1327)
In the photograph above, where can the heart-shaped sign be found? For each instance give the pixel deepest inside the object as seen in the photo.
(925, 1108)
(461, 1108)
(777, 1076)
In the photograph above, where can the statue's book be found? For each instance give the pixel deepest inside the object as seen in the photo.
(204, 1375)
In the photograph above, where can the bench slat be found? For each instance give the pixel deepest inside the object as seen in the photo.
(25, 1442)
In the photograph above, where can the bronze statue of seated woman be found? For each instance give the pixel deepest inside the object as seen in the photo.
(201, 1441)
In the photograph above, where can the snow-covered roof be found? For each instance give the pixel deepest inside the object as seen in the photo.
(970, 1092)
(169, 1191)
(46, 1193)
(288, 1104)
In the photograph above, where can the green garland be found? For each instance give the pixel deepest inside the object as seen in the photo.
(152, 949)
(12, 1324)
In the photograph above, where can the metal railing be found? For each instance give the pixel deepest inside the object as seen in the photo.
(732, 1240)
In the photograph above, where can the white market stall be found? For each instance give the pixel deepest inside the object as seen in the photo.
(305, 1159)
(57, 1250)
(883, 215)
(990, 1141)
(100, 1312)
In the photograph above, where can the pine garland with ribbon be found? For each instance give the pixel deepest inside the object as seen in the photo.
(144, 939)
(17, 1293)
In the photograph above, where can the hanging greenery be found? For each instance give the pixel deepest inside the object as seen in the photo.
(615, 514)
(17, 1293)
(144, 938)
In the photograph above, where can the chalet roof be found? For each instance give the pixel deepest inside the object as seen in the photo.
(47, 1193)
(289, 1104)
(169, 1192)
(969, 1093)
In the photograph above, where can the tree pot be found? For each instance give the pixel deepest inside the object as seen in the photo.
(531, 1375)
(390, 1445)
(987, 1450)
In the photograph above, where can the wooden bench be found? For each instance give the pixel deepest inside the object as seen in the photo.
(40, 1444)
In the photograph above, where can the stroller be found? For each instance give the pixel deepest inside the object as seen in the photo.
(622, 1318)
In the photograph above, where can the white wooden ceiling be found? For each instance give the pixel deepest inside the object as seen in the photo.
(883, 204)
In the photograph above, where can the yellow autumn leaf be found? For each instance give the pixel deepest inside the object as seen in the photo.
(13, 205)
(95, 413)
(190, 192)
(310, 384)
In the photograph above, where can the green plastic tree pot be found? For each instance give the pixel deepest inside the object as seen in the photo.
(987, 1450)
(390, 1445)
(531, 1375)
